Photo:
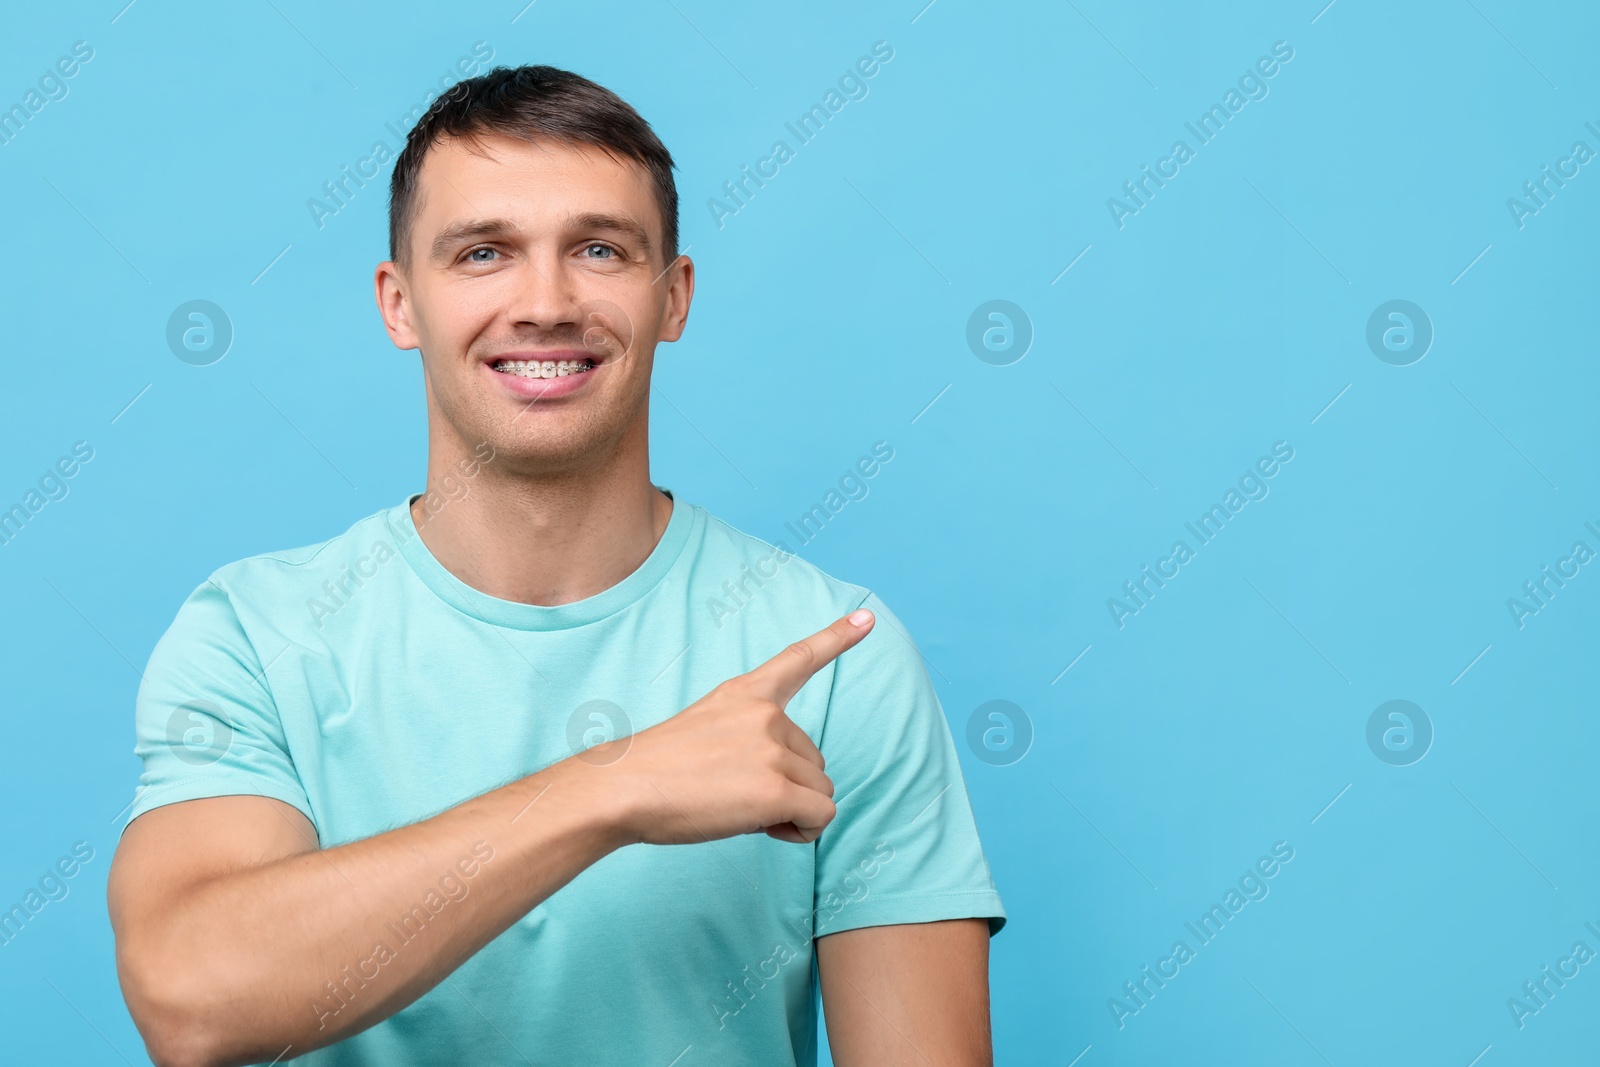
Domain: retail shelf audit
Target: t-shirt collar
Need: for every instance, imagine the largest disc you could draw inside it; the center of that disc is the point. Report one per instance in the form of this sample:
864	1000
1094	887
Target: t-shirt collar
510	613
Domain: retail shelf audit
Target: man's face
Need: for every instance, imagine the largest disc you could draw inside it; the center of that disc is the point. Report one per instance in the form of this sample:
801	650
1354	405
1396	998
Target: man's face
538	253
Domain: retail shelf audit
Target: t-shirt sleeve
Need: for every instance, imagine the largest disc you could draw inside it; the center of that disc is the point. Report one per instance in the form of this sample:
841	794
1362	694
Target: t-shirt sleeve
205	723
903	845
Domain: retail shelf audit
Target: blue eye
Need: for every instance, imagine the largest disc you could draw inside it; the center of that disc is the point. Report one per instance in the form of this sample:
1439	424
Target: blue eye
475	251
607	248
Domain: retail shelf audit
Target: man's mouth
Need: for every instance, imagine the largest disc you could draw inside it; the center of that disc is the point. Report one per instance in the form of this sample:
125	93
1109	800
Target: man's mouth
547	368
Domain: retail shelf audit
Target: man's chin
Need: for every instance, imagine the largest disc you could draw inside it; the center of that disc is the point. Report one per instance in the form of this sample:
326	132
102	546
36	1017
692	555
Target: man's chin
552	448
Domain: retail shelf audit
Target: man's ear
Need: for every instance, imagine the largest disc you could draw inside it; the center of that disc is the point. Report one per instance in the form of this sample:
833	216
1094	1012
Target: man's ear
679	280
389	288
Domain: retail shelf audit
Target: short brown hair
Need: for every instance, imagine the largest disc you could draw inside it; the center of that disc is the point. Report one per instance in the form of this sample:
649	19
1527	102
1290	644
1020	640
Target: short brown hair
531	102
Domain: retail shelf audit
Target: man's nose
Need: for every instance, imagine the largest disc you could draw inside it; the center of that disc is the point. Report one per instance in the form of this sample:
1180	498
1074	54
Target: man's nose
546	293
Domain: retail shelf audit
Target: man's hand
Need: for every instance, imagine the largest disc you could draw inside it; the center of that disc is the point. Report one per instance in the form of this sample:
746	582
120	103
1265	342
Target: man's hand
733	762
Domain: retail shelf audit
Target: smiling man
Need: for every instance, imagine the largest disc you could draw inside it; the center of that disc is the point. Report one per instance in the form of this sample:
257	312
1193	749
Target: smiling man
479	780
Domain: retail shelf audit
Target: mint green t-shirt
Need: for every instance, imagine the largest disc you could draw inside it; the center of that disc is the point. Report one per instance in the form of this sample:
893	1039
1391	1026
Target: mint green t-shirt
363	683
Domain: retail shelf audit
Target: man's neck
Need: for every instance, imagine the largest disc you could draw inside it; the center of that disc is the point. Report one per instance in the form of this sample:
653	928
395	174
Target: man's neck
543	541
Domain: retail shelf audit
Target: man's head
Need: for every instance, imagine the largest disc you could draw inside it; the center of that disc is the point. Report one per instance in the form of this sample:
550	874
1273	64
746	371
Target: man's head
533	215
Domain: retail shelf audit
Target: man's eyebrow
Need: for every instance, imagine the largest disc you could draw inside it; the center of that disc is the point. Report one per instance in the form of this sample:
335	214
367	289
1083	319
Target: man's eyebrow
470	230
623	224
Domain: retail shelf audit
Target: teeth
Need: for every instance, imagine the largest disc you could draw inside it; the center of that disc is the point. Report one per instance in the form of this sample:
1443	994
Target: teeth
534	368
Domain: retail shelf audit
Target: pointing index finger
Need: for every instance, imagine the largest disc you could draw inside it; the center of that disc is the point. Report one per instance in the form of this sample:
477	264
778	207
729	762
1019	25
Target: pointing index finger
781	677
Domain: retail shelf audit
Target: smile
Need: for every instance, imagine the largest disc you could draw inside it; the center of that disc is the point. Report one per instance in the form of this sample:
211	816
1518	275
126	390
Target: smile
533	368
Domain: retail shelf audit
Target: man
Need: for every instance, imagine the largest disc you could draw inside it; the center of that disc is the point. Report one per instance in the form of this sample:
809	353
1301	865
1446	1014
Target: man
407	793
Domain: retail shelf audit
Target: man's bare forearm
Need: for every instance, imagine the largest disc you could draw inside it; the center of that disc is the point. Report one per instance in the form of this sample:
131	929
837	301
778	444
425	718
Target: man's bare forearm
313	947
239	942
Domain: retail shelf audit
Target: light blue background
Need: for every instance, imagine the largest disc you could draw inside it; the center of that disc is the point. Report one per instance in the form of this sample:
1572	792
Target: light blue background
1223	317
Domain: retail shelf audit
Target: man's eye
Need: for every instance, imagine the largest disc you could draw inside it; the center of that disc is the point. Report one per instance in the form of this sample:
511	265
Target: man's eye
610	252
472	256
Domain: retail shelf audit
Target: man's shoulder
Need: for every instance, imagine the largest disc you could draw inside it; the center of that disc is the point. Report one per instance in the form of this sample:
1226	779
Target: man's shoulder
264	571
740	572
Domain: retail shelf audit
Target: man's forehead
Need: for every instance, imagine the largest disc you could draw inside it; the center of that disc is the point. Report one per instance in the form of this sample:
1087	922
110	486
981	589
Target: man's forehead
490	154
475	179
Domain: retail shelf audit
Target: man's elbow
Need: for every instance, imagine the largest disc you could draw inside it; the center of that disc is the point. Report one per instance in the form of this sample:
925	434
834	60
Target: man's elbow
171	1011
172	1049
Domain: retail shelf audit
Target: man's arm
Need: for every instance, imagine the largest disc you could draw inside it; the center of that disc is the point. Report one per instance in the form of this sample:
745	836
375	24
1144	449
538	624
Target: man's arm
236	935
914	994
230	921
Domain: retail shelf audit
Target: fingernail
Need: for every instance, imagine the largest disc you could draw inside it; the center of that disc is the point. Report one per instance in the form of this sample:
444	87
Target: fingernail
860	617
